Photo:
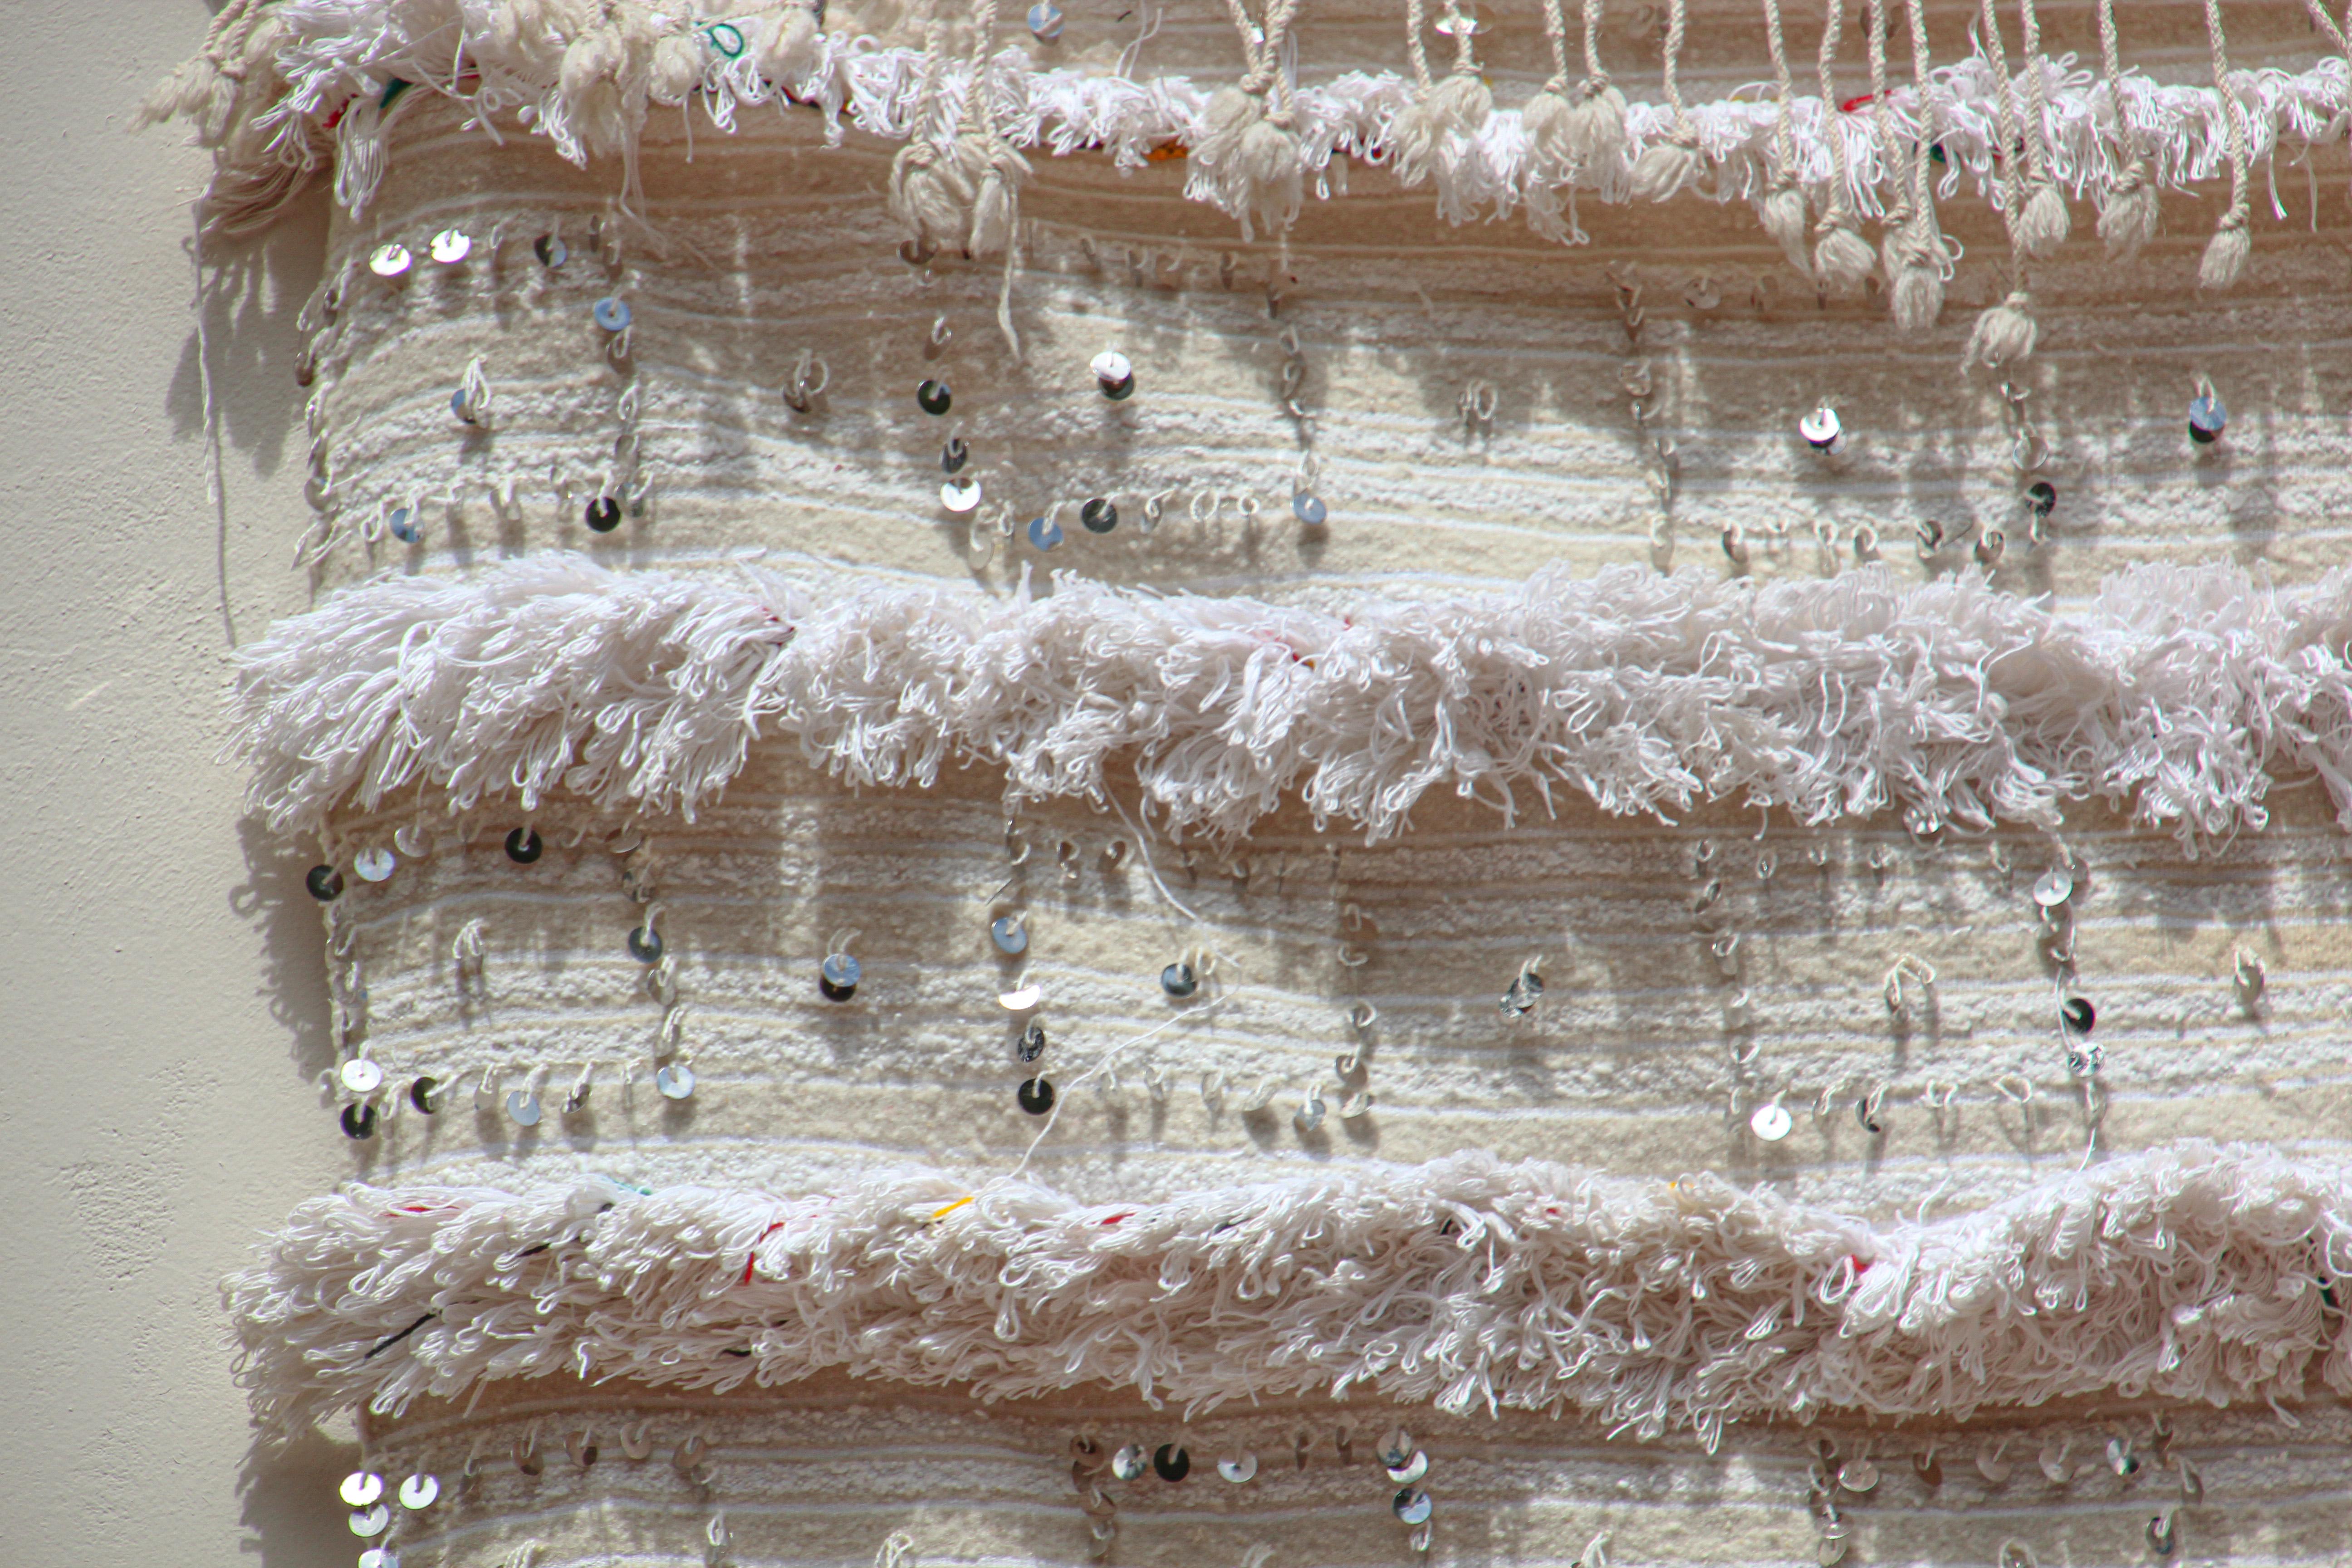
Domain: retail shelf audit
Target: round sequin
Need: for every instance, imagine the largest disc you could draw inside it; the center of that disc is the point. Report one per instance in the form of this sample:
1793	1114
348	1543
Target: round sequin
1114	374
419	1492
2078	1015
359	1121
389	260
1396	1447
1098	516
551	251
524	1107
373	865
1771	1122
523	846
612	312
379	1557
838	975
676	1081
1413	1504
1044	532
1822	430
420	1095
1021	999
1857	1475
401	521
371	1521
457	407
452	246
361	1488
1309	510
646	944
1035	1095
2043	497
1032	1044
325	883
2053	887
1045	21
1416	1466
1171	1463
1131	1462
933	397
1179	981
1238	1468
1009	935
361	1076
2207	419
959	495
603	515
954	456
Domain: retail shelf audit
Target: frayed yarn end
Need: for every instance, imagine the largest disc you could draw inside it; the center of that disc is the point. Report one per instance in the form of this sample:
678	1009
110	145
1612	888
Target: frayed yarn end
2004	335
1782	211
2128	222
1664	170
2043	227
2225	258
1842	258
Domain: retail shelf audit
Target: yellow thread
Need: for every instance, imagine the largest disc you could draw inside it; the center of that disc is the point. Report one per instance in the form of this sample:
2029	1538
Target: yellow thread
951	1208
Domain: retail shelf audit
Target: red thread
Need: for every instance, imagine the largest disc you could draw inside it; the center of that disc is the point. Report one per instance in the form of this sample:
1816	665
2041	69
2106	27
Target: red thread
749	1262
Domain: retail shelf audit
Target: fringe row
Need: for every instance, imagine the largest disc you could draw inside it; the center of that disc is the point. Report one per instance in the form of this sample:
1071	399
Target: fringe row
2183	692
311	81
2202	1273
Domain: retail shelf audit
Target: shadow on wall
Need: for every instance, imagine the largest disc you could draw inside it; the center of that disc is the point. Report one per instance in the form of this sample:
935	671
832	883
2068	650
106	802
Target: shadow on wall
235	387
292	1516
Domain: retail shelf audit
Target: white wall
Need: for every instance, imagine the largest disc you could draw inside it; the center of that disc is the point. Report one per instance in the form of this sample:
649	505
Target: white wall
160	963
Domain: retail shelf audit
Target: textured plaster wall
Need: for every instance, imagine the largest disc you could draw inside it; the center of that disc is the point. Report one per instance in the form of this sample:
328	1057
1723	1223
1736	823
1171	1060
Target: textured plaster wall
165	1010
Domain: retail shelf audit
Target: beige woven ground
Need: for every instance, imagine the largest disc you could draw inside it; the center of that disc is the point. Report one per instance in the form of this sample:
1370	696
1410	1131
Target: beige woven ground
1637	1060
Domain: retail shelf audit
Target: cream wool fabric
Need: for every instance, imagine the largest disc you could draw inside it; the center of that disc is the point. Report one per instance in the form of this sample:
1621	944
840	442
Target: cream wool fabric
1512	436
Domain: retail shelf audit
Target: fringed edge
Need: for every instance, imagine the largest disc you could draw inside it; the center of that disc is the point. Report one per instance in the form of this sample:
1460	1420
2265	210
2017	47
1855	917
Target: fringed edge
2201	1273
325	54
2183	691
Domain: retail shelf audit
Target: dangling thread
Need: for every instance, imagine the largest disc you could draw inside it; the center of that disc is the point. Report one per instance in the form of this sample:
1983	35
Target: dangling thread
2226	252
1781	208
1669	165
2004	335
1840	258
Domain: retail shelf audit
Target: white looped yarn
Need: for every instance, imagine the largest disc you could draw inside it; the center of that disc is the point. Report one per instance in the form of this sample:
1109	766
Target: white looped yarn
2185	693
2191	1273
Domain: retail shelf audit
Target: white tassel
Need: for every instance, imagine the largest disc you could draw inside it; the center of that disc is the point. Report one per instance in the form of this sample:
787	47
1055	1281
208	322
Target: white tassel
677	68
1841	258
2004	335
2128	221
1913	255
1546	118
2225	258
931	196
1458	106
1596	129
2043	227
1664	169
1782	211
1252	165
794	52
997	203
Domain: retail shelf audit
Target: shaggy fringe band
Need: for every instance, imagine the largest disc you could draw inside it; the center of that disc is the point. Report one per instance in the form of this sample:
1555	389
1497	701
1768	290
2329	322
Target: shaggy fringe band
2198	1273
313	59
2180	691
